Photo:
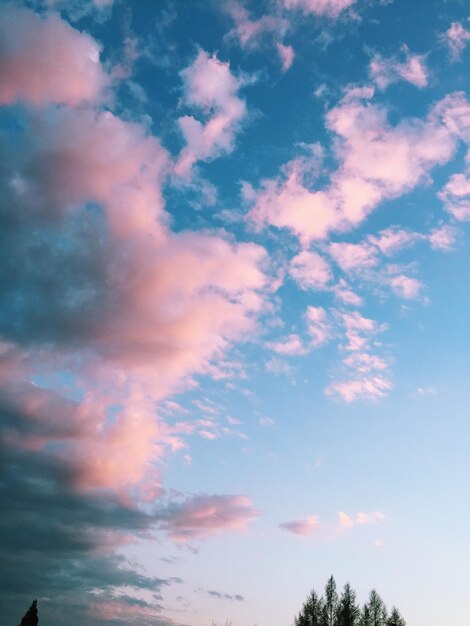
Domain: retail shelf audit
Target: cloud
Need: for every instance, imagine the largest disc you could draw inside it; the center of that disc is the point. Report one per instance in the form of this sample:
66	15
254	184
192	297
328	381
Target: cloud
344	520
250	33
443	238
385	71
29	70
364	375
457	38
366	388
406	287
225	596
377	162
211	88
290	346
200	516
393	239
353	257
303	527
361	518
456	196
327	8
318	325
287	55
346	295
62	545
310	270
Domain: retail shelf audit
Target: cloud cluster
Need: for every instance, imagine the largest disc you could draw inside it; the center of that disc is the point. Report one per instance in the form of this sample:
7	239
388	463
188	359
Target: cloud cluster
101	319
376	162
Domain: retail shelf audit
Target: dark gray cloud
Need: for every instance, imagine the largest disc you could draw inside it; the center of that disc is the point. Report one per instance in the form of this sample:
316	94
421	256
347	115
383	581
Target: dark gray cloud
225	596
59	545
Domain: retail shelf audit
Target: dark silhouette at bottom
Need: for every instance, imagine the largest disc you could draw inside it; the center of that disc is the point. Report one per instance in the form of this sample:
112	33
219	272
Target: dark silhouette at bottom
31	616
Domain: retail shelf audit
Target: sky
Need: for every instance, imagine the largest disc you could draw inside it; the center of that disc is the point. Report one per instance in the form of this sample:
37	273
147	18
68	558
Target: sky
234	301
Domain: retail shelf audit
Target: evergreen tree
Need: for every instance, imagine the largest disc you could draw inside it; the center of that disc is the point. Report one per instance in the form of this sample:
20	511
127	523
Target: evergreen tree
311	613
377	610
31	616
330	605
364	619
395	618
347	613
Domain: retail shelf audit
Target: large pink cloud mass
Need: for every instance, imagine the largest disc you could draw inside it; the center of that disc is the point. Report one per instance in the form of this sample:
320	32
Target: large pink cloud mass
45	60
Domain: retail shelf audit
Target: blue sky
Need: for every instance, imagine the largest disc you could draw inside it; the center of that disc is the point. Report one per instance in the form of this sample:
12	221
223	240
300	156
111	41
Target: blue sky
234	302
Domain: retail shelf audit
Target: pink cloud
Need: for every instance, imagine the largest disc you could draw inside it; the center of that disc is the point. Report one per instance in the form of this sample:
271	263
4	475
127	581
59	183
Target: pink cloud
457	38
302	528
370	518
29	70
376	162
385	71
406	287
456	197
443	238
286	55
364	373
202	516
128	321
366	388
346	295
318	326
250	33
353	257
391	240
327	8
310	270
344	520
290	346
210	87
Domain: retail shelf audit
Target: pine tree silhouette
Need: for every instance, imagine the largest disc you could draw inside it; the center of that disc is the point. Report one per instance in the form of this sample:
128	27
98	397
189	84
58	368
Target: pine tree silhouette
31	616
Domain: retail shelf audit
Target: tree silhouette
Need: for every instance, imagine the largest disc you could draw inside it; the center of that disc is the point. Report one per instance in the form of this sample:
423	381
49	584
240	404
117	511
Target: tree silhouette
347	613
377	610
395	618
31	616
311	613
344	611
331	603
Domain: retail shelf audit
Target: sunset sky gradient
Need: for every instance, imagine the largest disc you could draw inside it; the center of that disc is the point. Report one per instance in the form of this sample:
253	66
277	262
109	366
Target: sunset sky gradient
234	304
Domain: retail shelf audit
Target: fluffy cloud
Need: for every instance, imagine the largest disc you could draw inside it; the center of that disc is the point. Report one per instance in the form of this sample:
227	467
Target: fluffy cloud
310	270
290	346
210	87
377	162
391	240
353	257
406	287
318	325
385	71
327	8
29	70
456	196
457	38
303	527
